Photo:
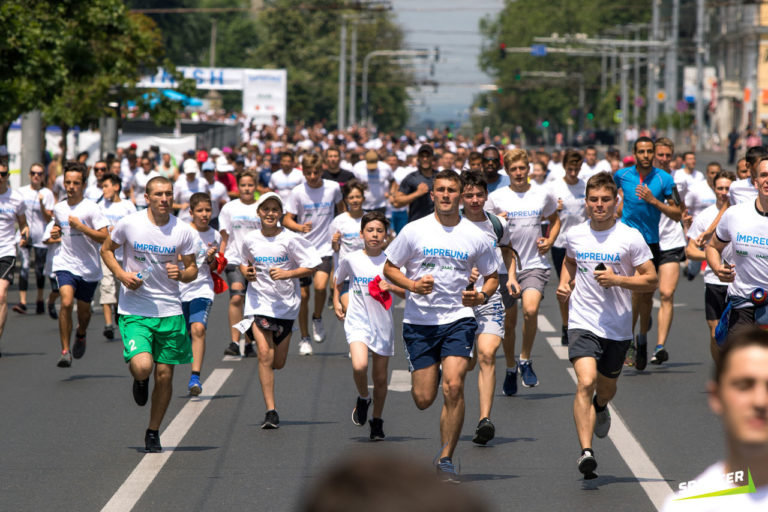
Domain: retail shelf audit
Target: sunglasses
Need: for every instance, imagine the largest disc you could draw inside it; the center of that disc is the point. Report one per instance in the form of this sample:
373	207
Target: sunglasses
36	173
4	174
97	169
493	159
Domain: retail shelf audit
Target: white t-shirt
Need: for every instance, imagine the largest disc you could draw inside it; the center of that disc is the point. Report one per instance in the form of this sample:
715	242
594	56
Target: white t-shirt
378	183
713	480
219	194
139	185
425	246
349	227
58	188
283	183
34	214
699	197
79	254
318	206
556	171
747	231
202	287
574	210
700	223
286	250
237	219
53	249
671	234
525	213
587	171
486	226
742	191
147	248
606	312
114	212
93	193
11	206
366	319
685	182
183	190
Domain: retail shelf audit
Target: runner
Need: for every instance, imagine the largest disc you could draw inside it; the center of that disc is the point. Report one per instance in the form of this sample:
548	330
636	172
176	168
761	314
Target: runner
197	296
217	190
346	229
688	176
378	176
114	209
570	193
607	260
81	225
646	192
273	260
139	183
151	321
185	186
237	219
591	166
286	178
368	322
489	316
310	210
38	210
715	292
525	208
11	213
415	188
491	167
438	253
332	170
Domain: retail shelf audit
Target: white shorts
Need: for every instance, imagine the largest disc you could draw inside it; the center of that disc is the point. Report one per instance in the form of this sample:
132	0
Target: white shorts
375	344
108	286
490	317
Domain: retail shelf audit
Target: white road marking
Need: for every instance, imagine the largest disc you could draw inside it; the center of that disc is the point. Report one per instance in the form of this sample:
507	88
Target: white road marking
657	304
400	380
560	351
145	472
228	358
544	325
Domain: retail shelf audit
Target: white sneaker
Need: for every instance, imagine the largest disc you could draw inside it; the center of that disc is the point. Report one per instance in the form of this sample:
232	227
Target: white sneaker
318	330
305	347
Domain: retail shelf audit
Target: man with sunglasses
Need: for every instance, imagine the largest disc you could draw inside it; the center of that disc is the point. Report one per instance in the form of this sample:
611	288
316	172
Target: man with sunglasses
491	162
416	187
38	208
93	191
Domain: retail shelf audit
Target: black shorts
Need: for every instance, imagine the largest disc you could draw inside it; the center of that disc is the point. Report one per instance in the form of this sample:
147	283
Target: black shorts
656	252
740	318
7	265
280	327
324	267
558	255
672	255
235	276
715	299
610	354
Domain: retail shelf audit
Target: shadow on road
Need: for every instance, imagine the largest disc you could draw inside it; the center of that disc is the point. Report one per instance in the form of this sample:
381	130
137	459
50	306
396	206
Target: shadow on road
74	378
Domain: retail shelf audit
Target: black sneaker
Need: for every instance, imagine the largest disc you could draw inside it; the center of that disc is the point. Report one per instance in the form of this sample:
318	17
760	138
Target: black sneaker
233	349
641	356
484	432
109	332
250	350
78	349
564	336
152	442
587	465
141	391
40	307
271	420
660	355
360	414
377	429
20	308
52	311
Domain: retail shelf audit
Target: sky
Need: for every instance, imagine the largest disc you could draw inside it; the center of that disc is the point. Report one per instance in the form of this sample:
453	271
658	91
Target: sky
453	25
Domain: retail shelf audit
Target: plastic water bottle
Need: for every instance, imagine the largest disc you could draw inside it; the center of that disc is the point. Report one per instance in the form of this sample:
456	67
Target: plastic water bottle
145	272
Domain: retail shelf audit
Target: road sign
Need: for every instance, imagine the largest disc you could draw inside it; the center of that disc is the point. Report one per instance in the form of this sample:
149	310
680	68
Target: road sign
618	115
539	50
661	95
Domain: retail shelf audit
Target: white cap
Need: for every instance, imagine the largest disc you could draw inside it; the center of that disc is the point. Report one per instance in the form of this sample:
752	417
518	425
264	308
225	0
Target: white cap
269	195
215	151
190	166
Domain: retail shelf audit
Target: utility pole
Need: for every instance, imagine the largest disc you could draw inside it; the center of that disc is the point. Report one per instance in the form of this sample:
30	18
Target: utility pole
652	108
603	74
700	132
636	86
31	142
623	72
353	75
670	80
342	74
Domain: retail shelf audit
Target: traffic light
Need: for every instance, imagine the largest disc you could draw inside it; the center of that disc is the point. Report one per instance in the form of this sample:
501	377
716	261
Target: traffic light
590	116
545	124
618	101
502	50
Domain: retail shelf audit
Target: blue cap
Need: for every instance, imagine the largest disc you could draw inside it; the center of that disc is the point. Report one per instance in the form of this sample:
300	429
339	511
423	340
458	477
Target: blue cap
209	166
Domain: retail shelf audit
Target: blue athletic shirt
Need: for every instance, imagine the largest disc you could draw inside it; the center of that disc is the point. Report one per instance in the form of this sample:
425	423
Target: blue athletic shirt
636	212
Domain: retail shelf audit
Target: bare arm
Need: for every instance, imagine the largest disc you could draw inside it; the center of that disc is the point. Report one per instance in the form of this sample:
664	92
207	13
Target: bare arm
97	235
694	252
189	273
129	279
567	275
645	278
714	251
224	241
422	286
289	221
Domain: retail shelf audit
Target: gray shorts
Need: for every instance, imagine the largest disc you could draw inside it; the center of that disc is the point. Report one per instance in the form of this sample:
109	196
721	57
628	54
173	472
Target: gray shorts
535	278
235	276
506	299
490	317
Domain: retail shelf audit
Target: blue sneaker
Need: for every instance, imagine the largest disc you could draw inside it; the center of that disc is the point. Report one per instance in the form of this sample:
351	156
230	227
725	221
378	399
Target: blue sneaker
527	375
510	383
446	471
194	387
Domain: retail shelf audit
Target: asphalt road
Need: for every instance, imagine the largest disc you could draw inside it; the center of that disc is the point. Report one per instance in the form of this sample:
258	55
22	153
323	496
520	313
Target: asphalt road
71	438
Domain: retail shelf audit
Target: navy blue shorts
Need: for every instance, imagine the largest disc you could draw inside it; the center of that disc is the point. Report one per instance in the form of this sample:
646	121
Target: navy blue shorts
84	290
426	345
196	311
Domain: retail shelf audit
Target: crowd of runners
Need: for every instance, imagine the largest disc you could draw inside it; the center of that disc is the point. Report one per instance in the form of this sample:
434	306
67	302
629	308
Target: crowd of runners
466	231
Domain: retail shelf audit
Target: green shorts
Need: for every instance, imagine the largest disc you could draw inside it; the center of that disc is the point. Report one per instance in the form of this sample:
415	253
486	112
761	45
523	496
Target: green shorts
165	338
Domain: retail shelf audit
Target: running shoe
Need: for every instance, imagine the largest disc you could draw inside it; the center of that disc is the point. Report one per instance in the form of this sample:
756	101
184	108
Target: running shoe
659	355
250	350
318	331
305	347
194	387
141	391
641	356
65	361
109	332
52	311
360	413
20	308
233	349
564	336
152	442
509	387
271	420
446	471
587	465
40	307
602	422
78	349
377	429
527	374
484	432
629	359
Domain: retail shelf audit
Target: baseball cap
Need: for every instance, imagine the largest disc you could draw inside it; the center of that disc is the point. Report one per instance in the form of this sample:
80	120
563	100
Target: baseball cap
133	145
215	151
265	197
426	148
209	166
202	156
239	159
190	166
371	160
629	160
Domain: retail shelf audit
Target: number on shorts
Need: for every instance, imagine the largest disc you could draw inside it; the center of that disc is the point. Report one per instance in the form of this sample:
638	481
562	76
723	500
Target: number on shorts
132	344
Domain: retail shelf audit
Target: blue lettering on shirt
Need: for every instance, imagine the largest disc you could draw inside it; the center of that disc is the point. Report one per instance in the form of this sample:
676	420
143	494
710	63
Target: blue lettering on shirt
154	249
751	239
448	253
270	259
363	280
598	256
524	213
317	206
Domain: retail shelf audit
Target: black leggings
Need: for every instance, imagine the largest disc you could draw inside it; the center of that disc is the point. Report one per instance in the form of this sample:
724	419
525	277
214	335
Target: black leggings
40	254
